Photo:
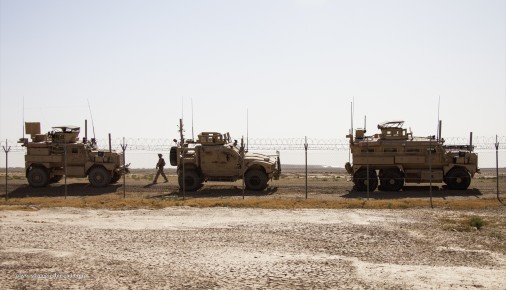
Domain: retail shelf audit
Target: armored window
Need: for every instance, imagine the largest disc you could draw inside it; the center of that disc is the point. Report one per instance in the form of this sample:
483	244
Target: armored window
74	150
412	150
367	150
390	150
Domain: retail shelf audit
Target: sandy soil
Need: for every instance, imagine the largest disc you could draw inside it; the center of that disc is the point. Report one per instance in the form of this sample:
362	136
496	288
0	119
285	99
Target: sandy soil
222	248
323	183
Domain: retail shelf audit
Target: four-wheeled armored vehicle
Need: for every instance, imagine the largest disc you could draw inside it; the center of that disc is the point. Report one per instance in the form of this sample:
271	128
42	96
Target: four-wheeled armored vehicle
394	157
214	157
59	152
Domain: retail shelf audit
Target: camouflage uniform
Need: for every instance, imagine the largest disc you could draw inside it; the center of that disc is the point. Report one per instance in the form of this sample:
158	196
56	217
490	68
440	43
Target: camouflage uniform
159	166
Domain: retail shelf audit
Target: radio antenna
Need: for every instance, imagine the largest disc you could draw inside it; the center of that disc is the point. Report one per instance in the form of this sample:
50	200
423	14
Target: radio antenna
23	117
247	129
193	137
92	123
365	124
438	120
351	129
352	112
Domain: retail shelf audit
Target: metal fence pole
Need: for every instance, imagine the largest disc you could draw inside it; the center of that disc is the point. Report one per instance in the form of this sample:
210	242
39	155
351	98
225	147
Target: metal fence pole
497	168
430	171
65	166
367	161
243	166
182	156
6	150
124	147
305	149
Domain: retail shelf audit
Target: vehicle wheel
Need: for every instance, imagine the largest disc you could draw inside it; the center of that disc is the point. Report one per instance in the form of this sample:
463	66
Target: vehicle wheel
360	180
255	179
458	178
55	178
115	177
391	180
99	176
193	181
38	177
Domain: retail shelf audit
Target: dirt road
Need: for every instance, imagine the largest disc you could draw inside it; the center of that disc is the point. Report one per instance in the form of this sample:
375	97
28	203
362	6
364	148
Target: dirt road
222	248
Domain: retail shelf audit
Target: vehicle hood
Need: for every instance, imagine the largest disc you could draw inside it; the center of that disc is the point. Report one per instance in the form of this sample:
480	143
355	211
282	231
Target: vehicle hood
259	157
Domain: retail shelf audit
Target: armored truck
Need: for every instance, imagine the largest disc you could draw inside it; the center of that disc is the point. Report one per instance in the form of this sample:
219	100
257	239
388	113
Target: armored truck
214	157
394	157
60	152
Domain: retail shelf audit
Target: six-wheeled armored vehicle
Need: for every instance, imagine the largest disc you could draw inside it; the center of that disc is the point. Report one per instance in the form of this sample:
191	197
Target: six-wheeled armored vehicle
60	152
214	157
395	157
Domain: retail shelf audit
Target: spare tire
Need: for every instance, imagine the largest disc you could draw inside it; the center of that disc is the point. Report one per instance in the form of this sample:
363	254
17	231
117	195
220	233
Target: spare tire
173	156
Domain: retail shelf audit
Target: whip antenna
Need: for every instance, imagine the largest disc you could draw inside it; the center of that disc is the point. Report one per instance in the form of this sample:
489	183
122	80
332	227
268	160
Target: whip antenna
438	120
23	117
247	129
193	137
92	123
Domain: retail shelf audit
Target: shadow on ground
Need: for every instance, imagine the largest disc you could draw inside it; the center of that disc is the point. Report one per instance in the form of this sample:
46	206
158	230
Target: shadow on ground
213	192
57	190
414	192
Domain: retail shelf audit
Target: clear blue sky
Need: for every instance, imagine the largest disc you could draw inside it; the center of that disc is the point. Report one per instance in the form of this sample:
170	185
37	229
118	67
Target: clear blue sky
295	65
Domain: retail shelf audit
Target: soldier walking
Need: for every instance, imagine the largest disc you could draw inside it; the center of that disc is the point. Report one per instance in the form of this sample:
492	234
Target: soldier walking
159	166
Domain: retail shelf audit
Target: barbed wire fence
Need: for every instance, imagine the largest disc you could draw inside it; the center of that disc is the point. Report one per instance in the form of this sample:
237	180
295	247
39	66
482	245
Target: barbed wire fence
140	184
480	143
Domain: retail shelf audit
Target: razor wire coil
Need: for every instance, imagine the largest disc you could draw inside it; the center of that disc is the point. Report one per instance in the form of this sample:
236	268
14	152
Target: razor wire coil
480	143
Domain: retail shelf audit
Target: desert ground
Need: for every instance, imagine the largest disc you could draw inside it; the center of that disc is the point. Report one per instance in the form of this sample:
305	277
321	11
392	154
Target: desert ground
198	247
323	183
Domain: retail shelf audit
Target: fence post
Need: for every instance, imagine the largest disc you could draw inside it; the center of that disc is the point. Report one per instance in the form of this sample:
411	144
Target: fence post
430	171
6	150
497	167
305	149
182	156
65	165
243	153
124	147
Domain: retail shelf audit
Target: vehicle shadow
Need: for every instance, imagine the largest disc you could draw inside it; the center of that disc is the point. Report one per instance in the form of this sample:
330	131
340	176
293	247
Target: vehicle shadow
58	190
213	192
414	192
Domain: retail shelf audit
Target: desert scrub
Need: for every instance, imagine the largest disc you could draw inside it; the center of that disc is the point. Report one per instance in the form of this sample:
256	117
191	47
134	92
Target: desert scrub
462	224
476	222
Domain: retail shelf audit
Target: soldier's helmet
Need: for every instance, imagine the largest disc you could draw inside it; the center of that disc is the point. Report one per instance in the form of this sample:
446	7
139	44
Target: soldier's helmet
159	154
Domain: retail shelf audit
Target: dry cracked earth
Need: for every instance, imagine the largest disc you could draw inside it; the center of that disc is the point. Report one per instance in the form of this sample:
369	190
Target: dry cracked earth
223	248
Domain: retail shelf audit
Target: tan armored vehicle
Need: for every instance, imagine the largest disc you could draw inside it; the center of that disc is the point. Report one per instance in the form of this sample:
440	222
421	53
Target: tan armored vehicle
47	155
213	157
395	157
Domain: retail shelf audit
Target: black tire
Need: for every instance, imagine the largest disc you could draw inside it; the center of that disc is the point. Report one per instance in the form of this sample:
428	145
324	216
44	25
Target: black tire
360	180
255	179
458	178
193	181
38	177
115	177
55	178
173	156
99	177
391	180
